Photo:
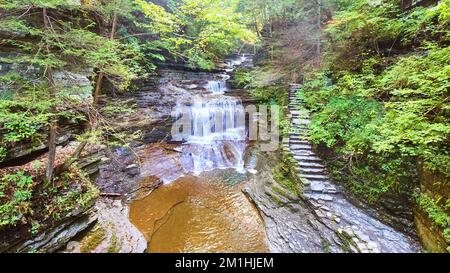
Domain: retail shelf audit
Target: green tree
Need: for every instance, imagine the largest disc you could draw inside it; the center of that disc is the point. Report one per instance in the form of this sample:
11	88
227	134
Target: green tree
199	31
52	45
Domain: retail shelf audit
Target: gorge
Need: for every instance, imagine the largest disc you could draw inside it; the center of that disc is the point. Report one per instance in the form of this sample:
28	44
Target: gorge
240	126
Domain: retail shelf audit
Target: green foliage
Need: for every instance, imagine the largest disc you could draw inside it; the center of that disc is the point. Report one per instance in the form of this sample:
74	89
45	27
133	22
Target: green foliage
269	94
15	196
261	13
22	120
436	214
433	210
263	84
21	198
3	153
361	30
244	78
379	109
337	122
198	31
416	122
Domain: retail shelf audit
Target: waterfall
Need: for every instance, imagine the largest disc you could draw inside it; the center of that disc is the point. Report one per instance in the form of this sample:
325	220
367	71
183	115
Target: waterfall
213	129
234	63
216	138
217	87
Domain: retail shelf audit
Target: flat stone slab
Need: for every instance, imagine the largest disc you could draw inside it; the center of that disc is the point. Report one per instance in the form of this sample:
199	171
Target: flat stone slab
317	186
312	177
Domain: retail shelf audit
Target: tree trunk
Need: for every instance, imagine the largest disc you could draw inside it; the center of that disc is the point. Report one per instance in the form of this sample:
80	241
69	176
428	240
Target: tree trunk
101	75
98	89
319	37
53	122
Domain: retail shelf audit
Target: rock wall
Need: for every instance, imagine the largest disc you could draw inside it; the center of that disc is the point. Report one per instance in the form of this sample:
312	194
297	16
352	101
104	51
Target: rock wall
75	85
436	186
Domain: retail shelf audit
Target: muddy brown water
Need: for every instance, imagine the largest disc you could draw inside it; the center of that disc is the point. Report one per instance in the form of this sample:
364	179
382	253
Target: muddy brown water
199	214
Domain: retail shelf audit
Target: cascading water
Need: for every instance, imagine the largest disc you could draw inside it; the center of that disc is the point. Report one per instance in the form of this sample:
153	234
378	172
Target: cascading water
200	213
216	138
217	87
234	63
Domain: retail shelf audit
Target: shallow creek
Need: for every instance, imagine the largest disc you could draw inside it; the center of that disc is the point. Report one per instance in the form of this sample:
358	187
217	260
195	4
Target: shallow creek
201	206
220	193
200	214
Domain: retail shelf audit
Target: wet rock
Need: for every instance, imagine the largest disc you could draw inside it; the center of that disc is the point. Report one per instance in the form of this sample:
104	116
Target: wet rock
58	236
317	186
105	160
132	170
117	175
73	247
160	160
75	85
192	86
117	234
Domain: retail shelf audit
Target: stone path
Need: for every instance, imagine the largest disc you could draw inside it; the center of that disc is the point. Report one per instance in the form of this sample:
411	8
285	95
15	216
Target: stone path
360	231
316	182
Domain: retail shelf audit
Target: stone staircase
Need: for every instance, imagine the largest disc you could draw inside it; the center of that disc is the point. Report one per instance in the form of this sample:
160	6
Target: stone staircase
346	226
311	170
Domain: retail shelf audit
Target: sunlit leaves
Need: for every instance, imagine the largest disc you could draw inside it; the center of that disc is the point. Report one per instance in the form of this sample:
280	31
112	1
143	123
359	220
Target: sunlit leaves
198	31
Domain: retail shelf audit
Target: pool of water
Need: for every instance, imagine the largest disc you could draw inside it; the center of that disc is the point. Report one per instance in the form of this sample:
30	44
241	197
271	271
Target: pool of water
200	214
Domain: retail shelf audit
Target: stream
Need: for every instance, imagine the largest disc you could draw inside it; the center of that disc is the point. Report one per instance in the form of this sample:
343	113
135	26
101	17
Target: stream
217	191
201	206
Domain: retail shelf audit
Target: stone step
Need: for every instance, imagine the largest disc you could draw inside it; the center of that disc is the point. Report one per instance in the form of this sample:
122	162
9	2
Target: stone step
331	190
299	112
314	177
317	186
319	196
304	153
316	171
300	132
297	121
307	158
299	141
295	107
306	164
300	116
300	127
301	147
299	135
